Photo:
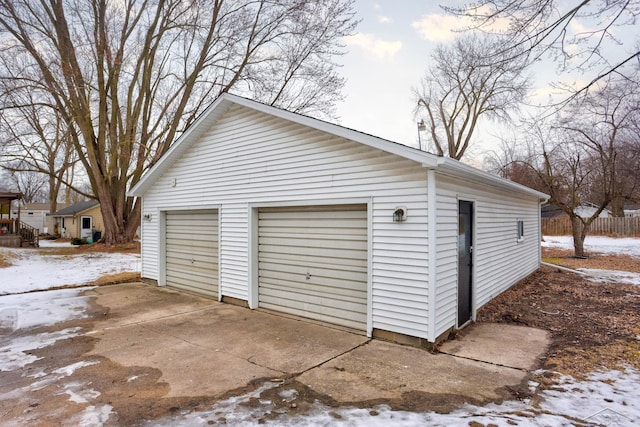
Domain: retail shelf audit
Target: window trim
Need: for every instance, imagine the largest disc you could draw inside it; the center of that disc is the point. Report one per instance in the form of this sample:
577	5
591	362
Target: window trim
520	230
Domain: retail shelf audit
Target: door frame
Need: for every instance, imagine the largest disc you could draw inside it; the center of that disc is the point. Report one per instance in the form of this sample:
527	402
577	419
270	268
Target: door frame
254	209
472	232
82	217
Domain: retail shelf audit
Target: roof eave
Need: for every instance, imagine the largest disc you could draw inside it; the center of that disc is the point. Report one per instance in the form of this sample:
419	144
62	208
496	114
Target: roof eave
445	163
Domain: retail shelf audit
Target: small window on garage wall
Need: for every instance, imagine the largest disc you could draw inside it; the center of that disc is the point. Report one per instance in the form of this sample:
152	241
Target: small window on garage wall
520	230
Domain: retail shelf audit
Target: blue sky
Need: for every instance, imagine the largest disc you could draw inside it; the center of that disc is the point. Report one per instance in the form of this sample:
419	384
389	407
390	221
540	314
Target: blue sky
385	60
389	55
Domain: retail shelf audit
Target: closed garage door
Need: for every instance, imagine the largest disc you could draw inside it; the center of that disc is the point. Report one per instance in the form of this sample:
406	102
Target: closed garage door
192	251
313	262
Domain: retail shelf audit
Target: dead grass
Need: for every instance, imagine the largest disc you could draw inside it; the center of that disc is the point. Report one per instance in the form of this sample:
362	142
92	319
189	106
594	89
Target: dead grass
112	279
597	261
593	326
4	260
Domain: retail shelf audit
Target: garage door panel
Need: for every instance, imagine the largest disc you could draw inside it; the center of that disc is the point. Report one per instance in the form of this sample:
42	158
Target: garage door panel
316	252
329	243
326	262
318	312
342	242
197	258
318	289
319	304
298	224
186	237
316	269
330	277
192	251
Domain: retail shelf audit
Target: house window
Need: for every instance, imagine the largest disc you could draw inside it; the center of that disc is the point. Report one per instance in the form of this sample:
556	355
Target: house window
520	230
86	222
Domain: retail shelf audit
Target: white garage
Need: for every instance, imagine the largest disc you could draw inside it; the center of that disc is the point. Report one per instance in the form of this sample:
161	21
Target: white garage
191	241
274	210
313	262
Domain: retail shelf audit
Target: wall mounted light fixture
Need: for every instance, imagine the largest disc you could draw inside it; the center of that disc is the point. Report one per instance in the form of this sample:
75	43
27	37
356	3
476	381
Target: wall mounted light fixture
400	214
147	217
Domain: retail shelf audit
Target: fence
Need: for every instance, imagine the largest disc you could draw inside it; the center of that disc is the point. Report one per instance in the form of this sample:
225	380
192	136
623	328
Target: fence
620	227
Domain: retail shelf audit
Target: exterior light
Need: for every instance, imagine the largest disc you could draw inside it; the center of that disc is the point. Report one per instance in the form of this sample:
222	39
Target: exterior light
400	214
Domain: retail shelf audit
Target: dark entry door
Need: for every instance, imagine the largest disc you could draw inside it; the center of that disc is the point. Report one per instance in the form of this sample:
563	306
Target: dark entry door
465	248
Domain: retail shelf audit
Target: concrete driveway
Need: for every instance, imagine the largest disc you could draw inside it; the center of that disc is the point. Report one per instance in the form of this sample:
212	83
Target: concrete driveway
146	352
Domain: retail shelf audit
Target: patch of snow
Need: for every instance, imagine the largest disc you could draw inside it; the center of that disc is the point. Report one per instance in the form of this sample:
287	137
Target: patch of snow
35	309
611	276
31	270
608	398
70	369
15	354
78	394
597	244
92	416
54	244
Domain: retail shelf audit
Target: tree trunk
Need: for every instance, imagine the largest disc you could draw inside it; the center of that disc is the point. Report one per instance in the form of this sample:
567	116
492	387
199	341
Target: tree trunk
579	232
617	206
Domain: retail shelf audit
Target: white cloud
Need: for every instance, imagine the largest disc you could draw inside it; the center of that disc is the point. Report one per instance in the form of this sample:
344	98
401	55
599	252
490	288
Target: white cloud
442	28
381	49
384	19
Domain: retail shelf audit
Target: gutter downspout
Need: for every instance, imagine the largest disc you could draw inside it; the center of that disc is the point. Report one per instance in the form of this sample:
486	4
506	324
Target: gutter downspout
431	244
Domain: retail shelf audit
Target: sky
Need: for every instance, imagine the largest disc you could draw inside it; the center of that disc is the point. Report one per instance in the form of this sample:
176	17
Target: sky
388	57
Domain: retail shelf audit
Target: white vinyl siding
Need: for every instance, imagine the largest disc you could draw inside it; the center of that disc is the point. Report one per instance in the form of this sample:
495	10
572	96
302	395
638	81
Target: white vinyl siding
192	251
313	262
248	158
499	259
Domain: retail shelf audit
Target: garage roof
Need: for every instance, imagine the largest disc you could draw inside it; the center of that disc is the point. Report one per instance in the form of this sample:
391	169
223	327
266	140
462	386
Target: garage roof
225	101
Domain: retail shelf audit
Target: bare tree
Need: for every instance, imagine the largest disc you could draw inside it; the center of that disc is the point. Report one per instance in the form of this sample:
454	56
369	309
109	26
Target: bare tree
462	86
583	36
36	143
127	77
577	157
31	185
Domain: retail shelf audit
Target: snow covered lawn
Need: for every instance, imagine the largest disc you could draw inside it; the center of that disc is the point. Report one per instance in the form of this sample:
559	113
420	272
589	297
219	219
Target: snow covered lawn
32	270
597	244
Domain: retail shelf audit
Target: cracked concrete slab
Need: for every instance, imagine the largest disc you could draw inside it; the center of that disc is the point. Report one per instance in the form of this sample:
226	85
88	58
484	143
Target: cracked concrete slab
382	370
227	346
517	347
145	351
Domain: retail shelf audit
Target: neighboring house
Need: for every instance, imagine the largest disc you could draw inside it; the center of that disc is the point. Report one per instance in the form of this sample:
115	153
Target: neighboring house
37	215
80	220
258	206
585	210
632	210
551	211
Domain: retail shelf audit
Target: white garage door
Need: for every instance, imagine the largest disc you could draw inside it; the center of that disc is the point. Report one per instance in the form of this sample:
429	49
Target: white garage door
192	251
313	262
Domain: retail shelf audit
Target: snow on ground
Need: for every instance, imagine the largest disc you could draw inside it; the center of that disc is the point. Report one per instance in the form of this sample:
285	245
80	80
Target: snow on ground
608	398
597	244
37	309
54	244
611	276
33	270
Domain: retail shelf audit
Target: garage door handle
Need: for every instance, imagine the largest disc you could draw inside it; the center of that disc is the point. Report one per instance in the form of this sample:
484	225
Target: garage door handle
308	276
193	261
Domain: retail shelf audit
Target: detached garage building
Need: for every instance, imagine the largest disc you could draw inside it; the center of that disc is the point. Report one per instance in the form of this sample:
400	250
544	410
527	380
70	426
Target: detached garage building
263	207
